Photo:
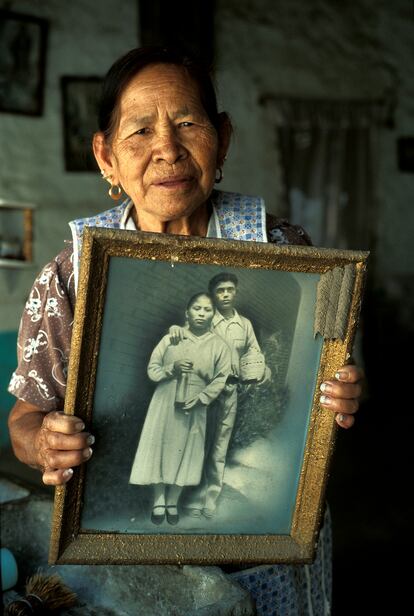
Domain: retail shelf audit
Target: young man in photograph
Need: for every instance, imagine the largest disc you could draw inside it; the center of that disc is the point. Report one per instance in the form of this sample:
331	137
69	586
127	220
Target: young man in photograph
237	331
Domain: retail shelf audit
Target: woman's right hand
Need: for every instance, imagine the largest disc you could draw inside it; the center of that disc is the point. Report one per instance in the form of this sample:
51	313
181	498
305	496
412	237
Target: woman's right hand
182	365
61	443
50	441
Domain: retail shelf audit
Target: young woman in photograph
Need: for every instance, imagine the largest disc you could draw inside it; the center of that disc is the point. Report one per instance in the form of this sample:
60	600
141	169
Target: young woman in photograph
189	376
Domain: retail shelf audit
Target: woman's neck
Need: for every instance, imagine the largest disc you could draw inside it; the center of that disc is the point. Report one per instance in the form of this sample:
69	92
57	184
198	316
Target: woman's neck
199	333
195	224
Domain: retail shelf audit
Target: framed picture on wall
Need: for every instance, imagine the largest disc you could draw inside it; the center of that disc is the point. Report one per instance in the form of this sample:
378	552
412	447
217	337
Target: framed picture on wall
80	97
196	363
23	42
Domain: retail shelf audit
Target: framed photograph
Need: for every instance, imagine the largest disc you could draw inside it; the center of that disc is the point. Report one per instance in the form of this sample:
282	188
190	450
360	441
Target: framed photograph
196	363
23	40
80	96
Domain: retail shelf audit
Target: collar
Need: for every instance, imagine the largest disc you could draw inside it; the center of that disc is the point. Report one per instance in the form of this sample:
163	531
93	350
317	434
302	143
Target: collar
127	221
190	336
218	318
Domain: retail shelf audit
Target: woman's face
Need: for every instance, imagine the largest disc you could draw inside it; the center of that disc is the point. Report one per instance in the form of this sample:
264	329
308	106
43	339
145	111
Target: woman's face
165	150
200	314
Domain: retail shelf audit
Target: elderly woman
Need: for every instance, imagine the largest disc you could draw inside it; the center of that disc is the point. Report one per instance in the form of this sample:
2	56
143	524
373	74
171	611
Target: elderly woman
163	143
190	375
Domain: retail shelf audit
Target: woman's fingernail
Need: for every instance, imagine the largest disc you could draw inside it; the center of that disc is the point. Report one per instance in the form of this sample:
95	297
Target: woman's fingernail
341	417
67	473
87	453
325	400
80	425
341	376
90	440
326	388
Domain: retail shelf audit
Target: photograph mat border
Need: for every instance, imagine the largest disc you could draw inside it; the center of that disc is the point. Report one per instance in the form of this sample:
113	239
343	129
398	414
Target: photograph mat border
72	545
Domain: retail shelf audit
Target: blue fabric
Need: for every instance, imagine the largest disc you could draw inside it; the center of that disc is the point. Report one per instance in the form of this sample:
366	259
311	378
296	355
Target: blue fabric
240	217
110	219
293	590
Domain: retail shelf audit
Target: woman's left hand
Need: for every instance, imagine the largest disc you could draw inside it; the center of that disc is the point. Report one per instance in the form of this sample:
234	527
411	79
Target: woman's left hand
341	395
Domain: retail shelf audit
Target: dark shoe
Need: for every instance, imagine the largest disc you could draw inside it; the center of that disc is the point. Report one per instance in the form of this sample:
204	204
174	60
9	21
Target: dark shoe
157	518
172	518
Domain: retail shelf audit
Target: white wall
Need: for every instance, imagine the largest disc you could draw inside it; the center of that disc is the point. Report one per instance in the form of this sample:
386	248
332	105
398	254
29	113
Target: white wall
319	48
85	37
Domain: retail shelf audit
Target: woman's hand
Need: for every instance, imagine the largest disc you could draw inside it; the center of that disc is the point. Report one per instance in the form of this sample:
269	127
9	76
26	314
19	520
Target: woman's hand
182	366
61	443
342	394
51	442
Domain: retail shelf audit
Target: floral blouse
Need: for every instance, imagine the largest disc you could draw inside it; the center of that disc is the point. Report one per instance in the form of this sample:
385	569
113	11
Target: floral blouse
46	327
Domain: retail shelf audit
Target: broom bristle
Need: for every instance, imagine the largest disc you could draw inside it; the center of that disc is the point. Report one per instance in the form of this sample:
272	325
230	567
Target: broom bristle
51	590
15	609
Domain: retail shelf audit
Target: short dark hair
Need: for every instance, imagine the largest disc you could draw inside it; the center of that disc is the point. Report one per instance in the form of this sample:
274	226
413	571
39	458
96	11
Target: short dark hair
129	65
195	297
223	277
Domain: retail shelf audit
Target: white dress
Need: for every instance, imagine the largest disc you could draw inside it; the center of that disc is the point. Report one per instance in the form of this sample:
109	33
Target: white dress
172	442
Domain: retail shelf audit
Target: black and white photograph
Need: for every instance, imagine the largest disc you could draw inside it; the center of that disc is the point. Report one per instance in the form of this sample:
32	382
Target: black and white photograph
23	41
201	427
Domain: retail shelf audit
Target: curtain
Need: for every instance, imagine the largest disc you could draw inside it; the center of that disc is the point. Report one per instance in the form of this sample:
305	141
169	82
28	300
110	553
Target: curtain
328	156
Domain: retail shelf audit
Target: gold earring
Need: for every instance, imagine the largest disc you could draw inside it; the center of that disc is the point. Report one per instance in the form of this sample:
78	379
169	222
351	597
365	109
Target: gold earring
115	192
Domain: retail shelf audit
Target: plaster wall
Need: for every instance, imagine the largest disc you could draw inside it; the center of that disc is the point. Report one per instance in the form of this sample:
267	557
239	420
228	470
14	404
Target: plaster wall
84	39
319	49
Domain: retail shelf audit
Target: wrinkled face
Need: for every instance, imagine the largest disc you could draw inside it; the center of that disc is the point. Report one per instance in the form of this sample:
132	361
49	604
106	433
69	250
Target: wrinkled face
165	150
200	314
224	295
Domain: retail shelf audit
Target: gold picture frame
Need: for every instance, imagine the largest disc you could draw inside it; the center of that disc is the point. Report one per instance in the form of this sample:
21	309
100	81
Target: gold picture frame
132	287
